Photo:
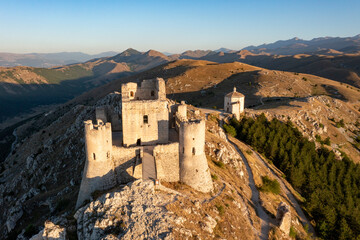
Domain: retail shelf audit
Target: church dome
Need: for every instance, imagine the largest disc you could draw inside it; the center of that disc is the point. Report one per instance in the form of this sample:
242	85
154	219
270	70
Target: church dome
234	94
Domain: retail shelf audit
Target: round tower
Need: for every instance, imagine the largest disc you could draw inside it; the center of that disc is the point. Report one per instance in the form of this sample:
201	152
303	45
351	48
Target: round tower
182	110
99	169
194	170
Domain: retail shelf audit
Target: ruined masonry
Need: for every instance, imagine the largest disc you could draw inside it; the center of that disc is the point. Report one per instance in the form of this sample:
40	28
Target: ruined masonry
152	138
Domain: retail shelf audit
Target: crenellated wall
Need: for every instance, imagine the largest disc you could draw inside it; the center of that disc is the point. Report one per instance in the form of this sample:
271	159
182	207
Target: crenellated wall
152	89
145	113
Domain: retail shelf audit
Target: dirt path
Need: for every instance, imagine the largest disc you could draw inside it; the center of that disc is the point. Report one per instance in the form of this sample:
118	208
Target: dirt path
255	197
288	193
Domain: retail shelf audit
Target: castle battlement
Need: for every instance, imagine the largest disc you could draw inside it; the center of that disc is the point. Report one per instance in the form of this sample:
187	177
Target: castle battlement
99	126
143	147
153	89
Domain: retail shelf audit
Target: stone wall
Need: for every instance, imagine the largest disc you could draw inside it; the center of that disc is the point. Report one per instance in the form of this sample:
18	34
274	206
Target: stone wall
153	130
124	160
194	170
167	162
234	105
99	169
152	89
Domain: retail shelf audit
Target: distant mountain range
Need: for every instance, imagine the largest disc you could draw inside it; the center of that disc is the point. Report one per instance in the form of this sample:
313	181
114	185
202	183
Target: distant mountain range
325	45
297	45
23	88
48	59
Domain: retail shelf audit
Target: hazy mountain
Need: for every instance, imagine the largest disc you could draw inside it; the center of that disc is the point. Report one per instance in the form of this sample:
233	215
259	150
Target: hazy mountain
195	54
47	59
297	45
22	88
225	50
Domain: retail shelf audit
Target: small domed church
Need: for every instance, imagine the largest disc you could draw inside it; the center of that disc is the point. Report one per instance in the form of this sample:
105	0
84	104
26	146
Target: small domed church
234	103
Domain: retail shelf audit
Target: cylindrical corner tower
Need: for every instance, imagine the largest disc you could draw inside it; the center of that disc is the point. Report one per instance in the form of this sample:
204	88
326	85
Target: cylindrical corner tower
99	168
194	170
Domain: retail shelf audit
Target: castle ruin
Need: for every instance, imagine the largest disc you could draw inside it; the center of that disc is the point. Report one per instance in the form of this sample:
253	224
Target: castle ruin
152	138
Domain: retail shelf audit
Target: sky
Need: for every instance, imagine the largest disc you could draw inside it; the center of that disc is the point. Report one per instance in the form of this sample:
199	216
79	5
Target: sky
169	26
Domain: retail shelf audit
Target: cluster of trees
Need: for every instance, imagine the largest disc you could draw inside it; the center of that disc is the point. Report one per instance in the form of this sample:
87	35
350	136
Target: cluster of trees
330	186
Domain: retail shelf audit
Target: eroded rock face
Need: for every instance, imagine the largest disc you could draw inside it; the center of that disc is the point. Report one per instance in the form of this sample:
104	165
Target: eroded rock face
283	216
135	212
51	232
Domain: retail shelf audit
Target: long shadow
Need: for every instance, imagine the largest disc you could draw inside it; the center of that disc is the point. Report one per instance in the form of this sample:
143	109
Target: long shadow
213	95
274	102
337	68
24	97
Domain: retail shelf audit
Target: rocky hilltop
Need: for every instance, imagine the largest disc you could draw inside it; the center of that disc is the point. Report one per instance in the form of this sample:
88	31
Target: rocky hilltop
41	196
40	178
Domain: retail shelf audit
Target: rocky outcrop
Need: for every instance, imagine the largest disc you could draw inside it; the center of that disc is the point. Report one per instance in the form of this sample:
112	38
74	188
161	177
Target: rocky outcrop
51	232
283	216
135	212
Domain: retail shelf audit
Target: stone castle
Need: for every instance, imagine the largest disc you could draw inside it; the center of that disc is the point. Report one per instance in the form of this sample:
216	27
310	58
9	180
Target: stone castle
152	138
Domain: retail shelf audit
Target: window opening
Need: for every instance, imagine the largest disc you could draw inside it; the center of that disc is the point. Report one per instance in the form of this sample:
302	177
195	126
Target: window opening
146	119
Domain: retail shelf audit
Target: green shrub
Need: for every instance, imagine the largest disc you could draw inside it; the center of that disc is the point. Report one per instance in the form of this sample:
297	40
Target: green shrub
327	141
221	209
230	130
292	232
269	185
219	164
214	177
249	152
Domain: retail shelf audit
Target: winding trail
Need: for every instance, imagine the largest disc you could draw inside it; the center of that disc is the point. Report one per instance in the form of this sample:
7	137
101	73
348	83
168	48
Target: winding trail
283	186
288	193
255	196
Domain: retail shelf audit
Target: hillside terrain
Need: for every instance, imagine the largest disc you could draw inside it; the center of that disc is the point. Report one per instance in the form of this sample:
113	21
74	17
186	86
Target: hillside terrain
339	67
24	88
315	104
41	176
47	186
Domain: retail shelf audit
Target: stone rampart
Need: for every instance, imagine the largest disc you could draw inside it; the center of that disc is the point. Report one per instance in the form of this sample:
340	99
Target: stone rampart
167	162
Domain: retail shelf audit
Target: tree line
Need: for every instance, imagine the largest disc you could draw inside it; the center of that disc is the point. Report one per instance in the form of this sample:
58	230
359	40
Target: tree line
330	186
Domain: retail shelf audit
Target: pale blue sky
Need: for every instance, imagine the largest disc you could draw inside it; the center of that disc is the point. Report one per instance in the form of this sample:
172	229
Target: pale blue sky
173	26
